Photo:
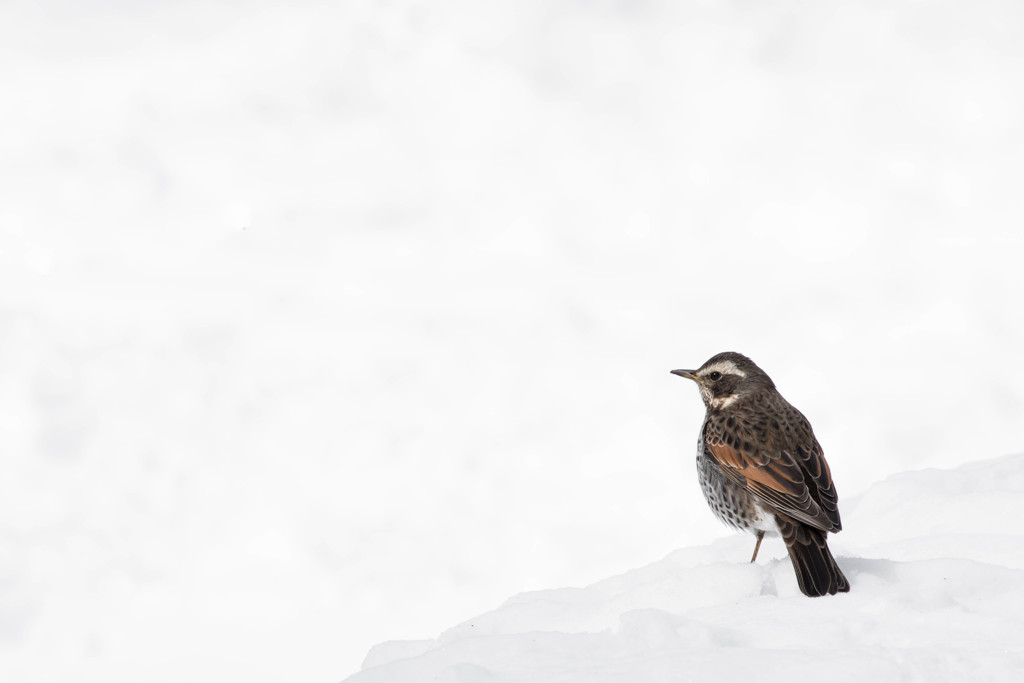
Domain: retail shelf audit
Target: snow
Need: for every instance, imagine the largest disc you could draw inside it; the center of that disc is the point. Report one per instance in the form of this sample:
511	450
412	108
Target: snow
936	562
329	323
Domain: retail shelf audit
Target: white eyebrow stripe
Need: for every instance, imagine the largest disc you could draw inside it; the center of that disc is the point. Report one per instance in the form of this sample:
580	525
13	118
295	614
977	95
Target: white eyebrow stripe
726	367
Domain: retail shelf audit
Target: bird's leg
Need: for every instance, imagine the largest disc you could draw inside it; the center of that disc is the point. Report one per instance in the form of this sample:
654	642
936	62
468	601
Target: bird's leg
760	535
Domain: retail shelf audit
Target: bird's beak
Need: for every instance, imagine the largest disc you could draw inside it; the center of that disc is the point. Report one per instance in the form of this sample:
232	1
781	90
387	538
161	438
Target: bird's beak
688	374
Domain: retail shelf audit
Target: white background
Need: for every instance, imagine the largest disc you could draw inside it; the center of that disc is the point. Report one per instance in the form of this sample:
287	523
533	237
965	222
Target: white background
323	324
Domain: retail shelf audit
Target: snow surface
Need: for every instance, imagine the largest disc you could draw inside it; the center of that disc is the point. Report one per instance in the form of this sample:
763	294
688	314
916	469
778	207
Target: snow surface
329	322
936	562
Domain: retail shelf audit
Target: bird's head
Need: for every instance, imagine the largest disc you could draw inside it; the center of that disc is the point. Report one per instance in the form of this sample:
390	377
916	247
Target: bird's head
727	378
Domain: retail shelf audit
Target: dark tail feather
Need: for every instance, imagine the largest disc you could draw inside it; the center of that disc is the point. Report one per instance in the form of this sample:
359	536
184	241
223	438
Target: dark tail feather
816	569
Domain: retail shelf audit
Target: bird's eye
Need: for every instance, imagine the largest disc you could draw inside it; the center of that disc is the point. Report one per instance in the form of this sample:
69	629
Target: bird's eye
715	376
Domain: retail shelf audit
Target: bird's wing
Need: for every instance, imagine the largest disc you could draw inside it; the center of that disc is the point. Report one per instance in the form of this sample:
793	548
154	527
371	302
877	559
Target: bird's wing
812	460
787	482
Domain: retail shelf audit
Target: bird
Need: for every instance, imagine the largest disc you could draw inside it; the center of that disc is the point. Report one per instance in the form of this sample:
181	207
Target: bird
762	470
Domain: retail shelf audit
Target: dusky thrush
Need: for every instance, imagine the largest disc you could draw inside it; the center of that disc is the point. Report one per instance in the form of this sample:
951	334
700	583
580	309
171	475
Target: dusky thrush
762	470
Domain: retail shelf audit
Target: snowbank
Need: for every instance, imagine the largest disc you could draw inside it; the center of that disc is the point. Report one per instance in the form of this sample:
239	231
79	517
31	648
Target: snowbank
936	559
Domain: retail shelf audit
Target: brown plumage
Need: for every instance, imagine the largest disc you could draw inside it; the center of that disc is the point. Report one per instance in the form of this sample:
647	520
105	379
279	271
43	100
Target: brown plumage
762	470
